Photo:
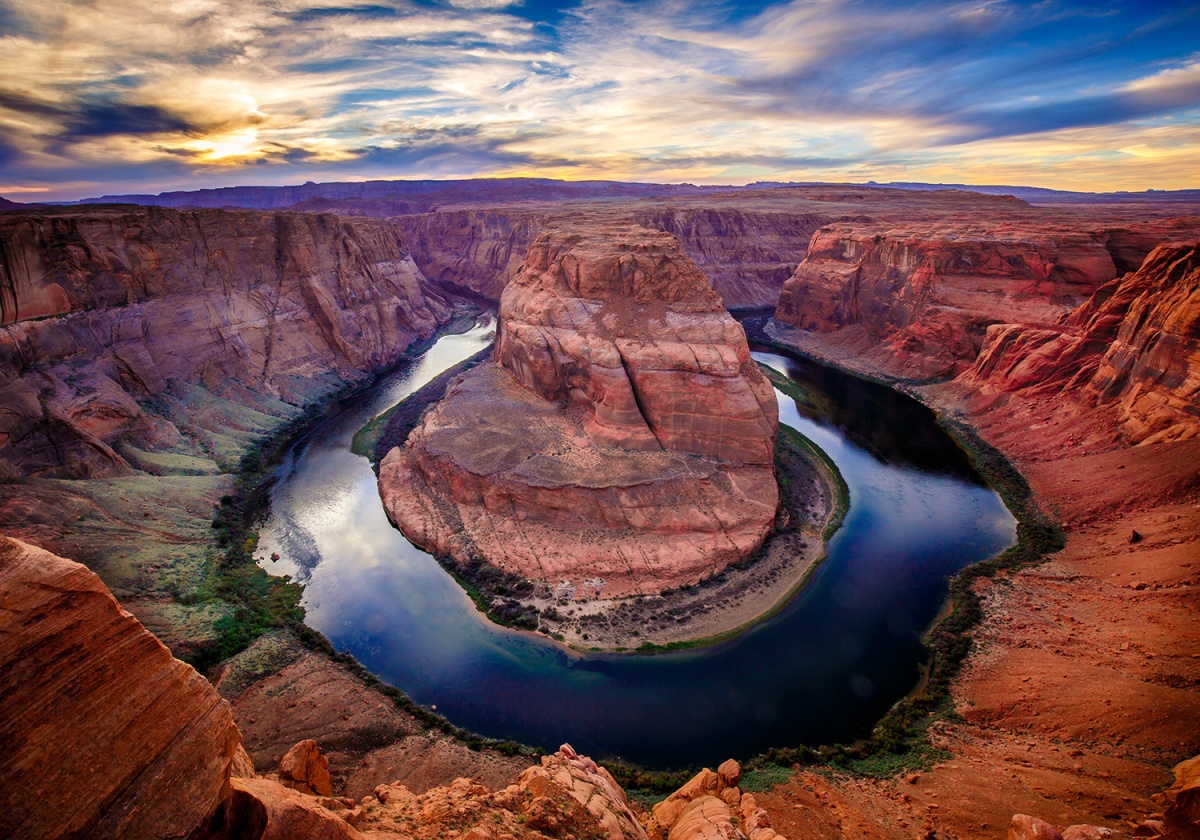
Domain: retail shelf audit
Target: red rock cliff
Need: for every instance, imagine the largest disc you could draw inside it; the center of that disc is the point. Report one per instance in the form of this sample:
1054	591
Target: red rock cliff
623	443
109	308
929	290
1136	341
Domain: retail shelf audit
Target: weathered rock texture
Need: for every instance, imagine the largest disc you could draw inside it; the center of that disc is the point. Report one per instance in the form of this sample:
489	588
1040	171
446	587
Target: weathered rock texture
622	443
711	807
104	733
746	252
1135	342
929	290
480	250
114	313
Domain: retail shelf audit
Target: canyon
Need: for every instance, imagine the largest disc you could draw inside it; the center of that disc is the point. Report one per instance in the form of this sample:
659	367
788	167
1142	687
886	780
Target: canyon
146	351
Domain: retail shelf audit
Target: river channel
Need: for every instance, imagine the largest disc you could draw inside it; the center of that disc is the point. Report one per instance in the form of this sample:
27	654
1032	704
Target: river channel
821	670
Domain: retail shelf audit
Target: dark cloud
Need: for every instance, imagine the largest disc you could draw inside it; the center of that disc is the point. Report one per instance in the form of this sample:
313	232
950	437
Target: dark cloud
107	119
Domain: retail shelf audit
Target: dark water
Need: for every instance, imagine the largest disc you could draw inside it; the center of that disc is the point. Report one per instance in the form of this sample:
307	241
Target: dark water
822	670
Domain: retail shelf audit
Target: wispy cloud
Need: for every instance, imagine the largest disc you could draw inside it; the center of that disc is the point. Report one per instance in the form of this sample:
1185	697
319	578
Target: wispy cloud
96	92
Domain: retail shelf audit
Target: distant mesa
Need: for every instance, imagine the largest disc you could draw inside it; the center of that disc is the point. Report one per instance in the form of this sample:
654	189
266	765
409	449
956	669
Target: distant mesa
622	439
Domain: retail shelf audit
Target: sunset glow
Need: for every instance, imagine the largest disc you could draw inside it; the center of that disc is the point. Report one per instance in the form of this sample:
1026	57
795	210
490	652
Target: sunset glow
135	95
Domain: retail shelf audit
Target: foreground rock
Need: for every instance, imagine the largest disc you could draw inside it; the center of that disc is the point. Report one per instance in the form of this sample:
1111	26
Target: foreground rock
623	440
102	729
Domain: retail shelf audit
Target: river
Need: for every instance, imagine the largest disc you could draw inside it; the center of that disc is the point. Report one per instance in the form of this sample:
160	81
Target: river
822	670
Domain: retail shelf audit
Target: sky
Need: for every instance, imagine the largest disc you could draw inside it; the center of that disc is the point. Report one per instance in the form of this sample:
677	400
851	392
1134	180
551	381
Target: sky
121	96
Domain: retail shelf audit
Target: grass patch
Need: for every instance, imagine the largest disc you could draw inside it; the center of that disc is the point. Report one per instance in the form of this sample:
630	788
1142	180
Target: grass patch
764	777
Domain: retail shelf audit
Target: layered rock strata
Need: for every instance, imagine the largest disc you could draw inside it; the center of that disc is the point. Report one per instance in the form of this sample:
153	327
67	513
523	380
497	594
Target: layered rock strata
621	443
1135	342
112	313
102	728
924	293
745	252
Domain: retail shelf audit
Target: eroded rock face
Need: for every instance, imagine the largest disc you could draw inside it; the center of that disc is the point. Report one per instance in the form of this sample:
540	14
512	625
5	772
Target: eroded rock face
104	733
622	442
929	290
1134	342
111	309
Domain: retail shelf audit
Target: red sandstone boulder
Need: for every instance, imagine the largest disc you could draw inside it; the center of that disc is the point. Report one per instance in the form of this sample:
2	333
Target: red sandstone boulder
306	769
1025	827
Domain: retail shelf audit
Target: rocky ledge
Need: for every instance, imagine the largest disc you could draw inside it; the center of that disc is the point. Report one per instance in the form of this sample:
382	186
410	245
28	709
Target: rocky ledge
620	443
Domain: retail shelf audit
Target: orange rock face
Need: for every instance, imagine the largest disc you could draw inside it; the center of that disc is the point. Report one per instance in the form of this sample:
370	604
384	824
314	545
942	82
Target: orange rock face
1135	342
623	443
105	734
261	308
930	289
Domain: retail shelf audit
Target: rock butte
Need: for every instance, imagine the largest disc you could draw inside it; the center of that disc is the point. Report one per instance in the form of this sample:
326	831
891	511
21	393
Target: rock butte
621	443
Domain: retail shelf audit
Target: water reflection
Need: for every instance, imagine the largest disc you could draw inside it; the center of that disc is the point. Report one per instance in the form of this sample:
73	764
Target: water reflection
822	670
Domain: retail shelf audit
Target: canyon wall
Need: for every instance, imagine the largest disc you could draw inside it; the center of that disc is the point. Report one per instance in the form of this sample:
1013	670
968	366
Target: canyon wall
111	316
480	250
1135	342
621	443
745	252
929	290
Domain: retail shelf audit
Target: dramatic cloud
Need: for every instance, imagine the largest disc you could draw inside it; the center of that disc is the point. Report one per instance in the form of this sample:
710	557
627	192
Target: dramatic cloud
116	95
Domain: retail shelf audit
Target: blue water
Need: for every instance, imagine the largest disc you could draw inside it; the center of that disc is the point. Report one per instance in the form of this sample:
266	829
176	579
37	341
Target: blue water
820	671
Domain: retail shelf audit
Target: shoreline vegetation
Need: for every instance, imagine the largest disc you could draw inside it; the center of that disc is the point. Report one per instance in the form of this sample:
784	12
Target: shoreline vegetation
813	502
898	743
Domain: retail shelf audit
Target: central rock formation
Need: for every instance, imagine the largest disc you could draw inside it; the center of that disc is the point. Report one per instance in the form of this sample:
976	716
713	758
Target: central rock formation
622	442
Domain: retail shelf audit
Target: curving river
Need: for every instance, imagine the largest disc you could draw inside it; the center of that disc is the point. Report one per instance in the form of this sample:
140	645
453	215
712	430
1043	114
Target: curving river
822	670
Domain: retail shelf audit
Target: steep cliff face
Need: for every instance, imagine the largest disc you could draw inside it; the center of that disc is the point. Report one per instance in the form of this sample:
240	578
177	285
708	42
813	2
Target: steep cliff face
480	250
622	442
105	735
745	254
1135	342
111	311
929	290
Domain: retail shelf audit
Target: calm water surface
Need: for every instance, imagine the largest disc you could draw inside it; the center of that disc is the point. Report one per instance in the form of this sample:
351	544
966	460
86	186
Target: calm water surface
822	670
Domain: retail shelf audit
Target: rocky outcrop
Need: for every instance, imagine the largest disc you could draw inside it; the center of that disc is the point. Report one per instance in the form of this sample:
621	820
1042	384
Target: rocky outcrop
745	253
104	733
110	312
623	440
304	768
711	807
929	290
480	250
1134	342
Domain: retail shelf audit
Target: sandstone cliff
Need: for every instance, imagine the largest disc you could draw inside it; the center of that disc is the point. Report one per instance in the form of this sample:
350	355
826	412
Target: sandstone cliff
113	314
929	290
105	735
480	250
1135	342
623	440
745	253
